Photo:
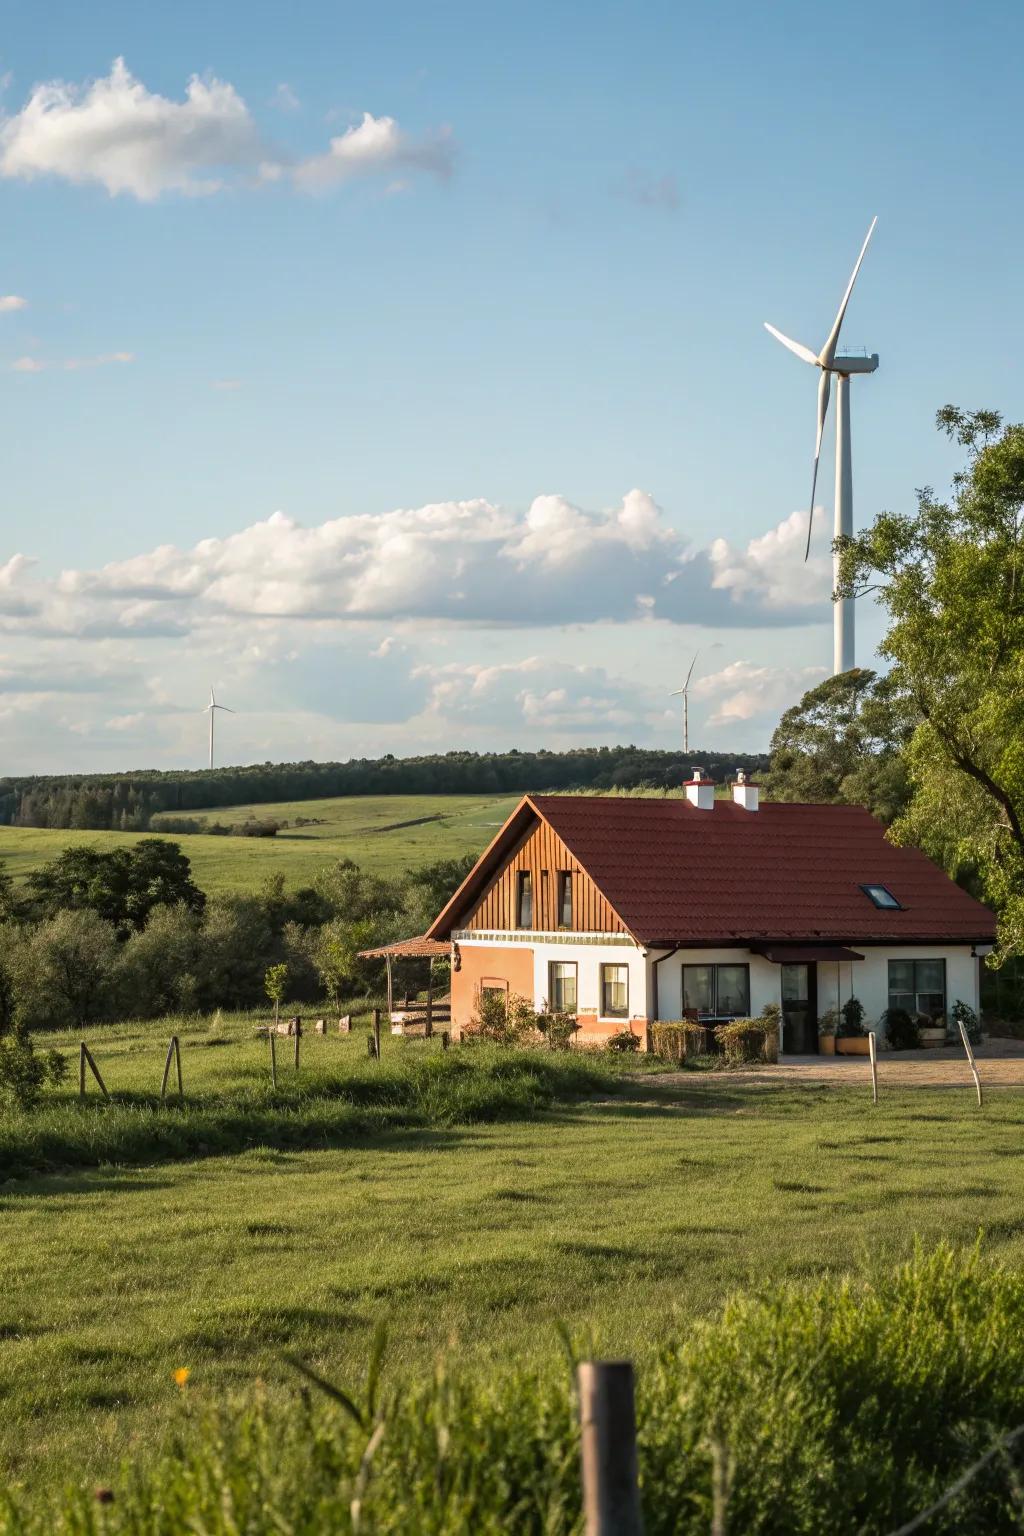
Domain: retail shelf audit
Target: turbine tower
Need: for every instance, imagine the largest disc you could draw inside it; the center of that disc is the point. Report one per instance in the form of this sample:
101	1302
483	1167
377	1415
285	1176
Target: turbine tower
831	361
211	710
684	691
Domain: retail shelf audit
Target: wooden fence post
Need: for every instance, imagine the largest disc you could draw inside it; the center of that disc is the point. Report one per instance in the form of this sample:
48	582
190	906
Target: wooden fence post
371	1046
273	1057
86	1057
873	1053
298	1037
428	1028
611	1495
376	1033
446	1039
970	1059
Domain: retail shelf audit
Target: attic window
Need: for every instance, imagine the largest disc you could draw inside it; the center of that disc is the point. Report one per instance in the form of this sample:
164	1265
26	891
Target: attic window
882	897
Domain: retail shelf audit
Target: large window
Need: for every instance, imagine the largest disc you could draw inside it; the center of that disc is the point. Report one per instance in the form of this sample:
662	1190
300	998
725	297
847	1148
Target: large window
615	991
717	991
564	899
524	899
918	986
562	986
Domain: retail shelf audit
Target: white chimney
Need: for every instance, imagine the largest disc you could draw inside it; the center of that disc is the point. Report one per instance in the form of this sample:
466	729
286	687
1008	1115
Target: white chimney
744	793
700	791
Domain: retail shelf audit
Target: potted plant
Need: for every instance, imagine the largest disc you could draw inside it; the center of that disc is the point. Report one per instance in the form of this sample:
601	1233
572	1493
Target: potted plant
931	1031
850	1037
901	1031
827	1026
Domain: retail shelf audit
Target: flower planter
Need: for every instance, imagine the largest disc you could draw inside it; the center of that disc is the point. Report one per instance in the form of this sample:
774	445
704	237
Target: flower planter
826	1045
933	1037
852	1045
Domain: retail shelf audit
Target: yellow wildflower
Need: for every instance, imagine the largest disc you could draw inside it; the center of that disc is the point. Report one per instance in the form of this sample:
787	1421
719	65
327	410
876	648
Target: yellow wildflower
182	1374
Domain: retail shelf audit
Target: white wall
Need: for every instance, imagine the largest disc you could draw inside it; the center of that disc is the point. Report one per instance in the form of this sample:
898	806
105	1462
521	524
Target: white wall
588	959
867	979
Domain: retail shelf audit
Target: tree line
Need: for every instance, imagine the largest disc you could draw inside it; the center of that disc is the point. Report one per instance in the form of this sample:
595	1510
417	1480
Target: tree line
127	802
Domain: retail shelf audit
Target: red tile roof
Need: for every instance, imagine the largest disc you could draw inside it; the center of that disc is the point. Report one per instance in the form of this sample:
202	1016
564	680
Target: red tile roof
676	874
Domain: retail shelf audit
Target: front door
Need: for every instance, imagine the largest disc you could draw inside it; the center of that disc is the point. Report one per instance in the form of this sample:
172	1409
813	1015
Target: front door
800	1010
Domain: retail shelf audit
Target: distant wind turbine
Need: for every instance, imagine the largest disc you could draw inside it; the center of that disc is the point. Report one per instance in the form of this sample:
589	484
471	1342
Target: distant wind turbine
211	710
830	361
684	692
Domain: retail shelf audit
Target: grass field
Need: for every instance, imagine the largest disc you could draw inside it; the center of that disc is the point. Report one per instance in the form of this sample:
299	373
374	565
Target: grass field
624	1215
389	834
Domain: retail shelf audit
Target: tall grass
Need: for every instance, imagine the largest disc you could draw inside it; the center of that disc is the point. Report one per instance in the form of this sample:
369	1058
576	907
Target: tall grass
838	1408
316	1108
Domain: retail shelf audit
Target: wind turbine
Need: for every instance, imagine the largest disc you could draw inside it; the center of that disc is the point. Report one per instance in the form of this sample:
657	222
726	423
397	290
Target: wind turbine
684	691
831	361
211	710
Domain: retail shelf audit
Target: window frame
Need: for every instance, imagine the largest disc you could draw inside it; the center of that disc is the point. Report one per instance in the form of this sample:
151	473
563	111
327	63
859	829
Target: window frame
713	966
613	1013
572	965
524	888
892	905
564	891
917	992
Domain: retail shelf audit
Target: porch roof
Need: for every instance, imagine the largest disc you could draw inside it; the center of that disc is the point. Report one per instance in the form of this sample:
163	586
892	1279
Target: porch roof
805	954
418	948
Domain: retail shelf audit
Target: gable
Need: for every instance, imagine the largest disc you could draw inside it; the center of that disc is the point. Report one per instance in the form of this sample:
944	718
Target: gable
543	853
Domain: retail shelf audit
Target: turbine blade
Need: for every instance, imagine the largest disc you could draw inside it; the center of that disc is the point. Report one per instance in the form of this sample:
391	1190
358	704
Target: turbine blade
794	346
824	391
828	352
689	674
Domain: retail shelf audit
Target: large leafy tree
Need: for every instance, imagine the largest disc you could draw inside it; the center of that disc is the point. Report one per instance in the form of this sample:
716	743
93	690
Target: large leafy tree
122	886
951	577
844	743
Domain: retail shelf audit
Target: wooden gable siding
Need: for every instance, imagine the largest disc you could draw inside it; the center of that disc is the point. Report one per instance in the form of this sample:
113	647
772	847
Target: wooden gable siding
545	856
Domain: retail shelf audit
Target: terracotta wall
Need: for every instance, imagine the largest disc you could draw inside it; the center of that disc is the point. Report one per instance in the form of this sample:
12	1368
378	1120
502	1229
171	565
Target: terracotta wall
510	964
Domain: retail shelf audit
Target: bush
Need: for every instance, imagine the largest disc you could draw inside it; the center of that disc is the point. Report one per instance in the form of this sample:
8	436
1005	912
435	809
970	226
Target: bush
625	1040
746	1040
557	1028
851	1019
961	1014
678	1039
901	1031
504	1018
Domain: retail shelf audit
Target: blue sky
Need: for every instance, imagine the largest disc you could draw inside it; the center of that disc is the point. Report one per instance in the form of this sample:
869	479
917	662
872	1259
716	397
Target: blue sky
531	285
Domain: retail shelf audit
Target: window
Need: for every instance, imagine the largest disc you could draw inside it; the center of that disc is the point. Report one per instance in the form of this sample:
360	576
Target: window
524	899
615	991
882	897
562	986
719	991
564	899
918	986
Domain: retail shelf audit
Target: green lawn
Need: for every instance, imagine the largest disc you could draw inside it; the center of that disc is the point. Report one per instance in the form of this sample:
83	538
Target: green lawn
389	834
623	1216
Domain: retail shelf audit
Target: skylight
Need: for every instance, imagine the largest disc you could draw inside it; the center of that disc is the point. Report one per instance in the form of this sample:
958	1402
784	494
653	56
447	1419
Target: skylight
882	897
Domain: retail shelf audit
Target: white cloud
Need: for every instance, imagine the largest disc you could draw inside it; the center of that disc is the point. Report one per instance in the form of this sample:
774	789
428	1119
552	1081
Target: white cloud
71	364
285	99
539	695
744	691
116	133
771	570
376	143
9	302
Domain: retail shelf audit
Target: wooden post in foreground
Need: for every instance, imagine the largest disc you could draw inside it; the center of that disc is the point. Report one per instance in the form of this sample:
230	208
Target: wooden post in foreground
376	1033
85	1056
446	1039
970	1059
298	1037
428	1027
611	1495
273	1056
873	1053
173	1054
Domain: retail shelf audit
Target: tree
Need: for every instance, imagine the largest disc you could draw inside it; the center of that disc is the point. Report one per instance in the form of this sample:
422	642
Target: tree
951	578
275	983
122	885
23	1073
158	967
844	743
437	882
64	971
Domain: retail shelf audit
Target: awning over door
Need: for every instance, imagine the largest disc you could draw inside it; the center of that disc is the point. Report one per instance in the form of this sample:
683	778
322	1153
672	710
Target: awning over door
805	954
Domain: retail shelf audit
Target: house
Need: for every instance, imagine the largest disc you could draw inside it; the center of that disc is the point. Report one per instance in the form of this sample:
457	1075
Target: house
624	911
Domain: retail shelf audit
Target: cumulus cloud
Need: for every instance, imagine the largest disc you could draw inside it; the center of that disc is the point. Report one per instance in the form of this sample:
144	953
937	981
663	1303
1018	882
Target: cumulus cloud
461	562
9	302
744	691
771	570
70	364
115	133
539	695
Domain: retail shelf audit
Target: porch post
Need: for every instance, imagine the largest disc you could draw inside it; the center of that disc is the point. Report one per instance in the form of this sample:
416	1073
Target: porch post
391	1000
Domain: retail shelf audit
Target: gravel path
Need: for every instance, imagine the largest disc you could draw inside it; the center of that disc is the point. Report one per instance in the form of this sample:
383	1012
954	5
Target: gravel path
1000	1065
